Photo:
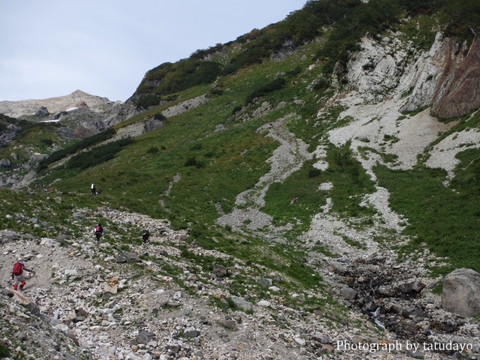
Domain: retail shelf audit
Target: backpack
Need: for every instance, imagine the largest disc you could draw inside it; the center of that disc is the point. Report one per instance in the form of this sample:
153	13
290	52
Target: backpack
98	229
17	268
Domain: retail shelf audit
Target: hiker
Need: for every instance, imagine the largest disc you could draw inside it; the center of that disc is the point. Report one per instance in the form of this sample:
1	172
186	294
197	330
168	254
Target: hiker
17	274
145	236
93	189
98	232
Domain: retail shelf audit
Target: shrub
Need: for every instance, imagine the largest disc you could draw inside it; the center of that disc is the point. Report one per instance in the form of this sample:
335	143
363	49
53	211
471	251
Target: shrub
4	350
48	142
97	155
217	92
273	85
153	150
236	109
73	148
197	146
147	100
170	78
321	84
314	173
192	161
160	117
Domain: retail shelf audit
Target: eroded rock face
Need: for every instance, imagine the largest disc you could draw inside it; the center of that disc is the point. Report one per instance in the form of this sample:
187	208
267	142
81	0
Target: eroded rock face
446	77
459	89
461	292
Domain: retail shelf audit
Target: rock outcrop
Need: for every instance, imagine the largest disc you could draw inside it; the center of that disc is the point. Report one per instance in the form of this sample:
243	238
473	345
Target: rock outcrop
458	90
442	77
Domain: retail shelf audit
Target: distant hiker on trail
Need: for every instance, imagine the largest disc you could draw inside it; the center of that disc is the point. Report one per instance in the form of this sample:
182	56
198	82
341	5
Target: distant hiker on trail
145	236
17	275
98	232
93	189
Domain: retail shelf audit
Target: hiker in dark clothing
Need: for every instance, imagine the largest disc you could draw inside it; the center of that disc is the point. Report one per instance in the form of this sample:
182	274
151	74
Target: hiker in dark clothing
93	189
98	232
17	275
145	236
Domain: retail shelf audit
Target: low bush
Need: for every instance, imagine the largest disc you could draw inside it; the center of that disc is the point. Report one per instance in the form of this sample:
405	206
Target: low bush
192	161
160	117
269	87
147	100
73	148
153	150
97	155
4	351
314	173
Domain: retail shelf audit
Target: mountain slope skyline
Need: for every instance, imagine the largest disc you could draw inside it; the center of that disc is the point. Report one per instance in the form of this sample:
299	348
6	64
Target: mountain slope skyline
106	48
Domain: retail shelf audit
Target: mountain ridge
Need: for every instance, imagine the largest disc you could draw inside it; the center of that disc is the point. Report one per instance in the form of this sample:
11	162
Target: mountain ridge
54	105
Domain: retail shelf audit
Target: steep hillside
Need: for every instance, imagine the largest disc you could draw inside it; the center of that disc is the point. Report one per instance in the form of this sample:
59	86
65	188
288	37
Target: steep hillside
319	180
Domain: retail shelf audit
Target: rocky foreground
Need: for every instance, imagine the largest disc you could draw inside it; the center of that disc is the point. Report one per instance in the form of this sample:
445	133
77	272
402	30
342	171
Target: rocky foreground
151	301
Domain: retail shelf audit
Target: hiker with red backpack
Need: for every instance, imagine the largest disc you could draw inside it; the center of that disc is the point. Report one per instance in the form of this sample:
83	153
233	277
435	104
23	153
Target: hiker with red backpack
17	275
98	232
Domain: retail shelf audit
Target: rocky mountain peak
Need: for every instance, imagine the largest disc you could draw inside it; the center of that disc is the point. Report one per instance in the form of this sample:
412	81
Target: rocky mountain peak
78	98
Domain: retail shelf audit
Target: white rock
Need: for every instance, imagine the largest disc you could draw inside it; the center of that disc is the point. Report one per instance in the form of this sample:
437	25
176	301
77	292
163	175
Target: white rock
264	303
71	272
325	186
47	242
299	341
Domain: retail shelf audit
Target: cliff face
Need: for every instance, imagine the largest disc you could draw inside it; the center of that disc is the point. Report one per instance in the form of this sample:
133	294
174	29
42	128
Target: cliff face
446	77
458	91
396	91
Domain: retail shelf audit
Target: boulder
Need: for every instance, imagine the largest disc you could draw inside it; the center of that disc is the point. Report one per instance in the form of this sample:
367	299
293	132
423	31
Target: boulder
80	315
265	282
37	157
144	337
220	271
71	273
153	124
264	303
227	324
411	288
42	111
241	303
5	163
112	285
8	236
348	293
131	256
461	292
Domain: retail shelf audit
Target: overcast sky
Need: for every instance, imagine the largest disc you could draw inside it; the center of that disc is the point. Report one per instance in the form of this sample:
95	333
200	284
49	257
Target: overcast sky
51	48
